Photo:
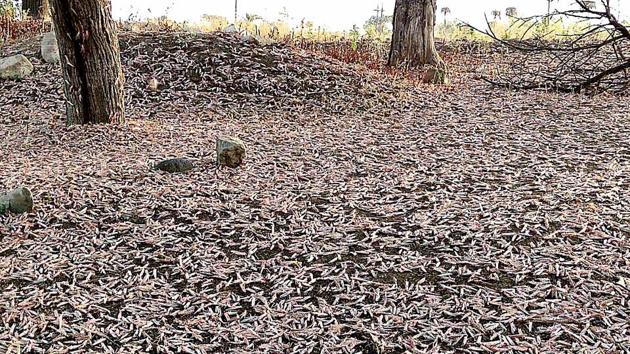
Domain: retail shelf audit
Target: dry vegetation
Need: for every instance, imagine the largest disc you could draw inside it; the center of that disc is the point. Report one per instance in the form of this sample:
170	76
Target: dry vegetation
373	214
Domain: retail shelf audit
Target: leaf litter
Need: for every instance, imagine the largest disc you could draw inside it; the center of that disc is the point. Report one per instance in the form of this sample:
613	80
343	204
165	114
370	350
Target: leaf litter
371	215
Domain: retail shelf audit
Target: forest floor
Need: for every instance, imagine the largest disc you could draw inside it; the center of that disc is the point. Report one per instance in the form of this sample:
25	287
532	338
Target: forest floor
372	215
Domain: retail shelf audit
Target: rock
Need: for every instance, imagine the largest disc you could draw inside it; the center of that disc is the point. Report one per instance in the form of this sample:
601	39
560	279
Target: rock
230	151
16	67
17	201
49	48
153	84
250	39
231	29
436	76
175	166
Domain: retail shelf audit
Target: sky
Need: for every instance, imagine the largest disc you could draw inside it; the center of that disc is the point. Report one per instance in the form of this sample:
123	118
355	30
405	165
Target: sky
335	15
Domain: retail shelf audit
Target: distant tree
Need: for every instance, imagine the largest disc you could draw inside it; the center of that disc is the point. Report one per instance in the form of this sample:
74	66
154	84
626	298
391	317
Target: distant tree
445	11
252	17
284	14
413	39
8	10
213	18
591	59
354	32
378	25
35	8
511	12
215	22
92	72
549	6
310	27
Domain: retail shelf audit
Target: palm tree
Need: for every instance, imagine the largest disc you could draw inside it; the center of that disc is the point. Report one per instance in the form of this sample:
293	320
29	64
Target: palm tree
549	7
511	12
445	11
252	17
590	4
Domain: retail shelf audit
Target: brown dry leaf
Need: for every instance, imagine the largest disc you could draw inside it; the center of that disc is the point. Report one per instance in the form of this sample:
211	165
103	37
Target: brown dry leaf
369	212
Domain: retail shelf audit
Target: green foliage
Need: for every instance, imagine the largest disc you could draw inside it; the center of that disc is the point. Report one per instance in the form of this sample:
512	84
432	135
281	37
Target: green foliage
252	17
211	23
9	9
452	30
513	29
354	33
378	27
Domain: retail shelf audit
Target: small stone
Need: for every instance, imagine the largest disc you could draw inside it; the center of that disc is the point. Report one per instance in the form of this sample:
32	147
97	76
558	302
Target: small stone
17	201
231	29
175	166
230	151
436	76
49	48
15	67
246	37
153	84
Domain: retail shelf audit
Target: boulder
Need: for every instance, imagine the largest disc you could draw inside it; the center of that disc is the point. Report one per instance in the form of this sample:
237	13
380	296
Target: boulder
49	48
17	201
230	151
16	67
175	166
436	76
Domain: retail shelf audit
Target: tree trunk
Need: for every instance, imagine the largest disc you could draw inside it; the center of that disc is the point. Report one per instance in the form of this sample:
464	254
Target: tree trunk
90	61
413	42
45	10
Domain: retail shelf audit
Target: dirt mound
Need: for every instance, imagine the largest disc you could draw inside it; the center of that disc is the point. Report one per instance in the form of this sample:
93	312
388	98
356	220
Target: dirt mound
223	72
228	64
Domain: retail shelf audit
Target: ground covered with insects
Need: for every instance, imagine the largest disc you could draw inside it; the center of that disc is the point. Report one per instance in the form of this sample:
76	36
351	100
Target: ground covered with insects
372	215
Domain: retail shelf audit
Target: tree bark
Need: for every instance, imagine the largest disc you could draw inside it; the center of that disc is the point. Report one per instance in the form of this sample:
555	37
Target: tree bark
413	41
90	61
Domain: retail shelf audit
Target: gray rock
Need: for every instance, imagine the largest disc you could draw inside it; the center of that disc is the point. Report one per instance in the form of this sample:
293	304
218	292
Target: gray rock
231	29
246	37
230	151
49	48
175	166
16	67
243	34
17	201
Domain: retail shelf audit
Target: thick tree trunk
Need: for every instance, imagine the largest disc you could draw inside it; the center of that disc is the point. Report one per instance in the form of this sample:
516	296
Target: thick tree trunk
413	42
90	61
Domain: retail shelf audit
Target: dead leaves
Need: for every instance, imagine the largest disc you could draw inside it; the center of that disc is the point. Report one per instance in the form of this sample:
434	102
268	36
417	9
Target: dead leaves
472	220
